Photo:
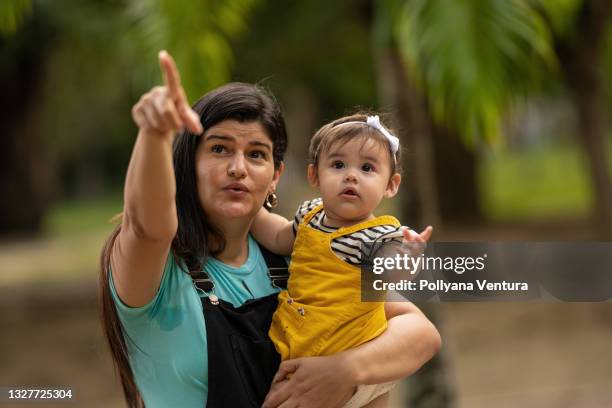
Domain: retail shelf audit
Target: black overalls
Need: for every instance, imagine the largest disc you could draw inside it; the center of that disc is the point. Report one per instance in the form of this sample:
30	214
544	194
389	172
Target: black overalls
241	358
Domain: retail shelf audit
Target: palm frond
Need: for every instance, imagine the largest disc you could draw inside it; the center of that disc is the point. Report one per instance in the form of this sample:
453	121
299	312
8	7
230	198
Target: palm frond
197	34
561	14
473	59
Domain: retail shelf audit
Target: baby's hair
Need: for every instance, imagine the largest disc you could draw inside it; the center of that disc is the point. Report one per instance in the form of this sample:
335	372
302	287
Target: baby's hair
331	134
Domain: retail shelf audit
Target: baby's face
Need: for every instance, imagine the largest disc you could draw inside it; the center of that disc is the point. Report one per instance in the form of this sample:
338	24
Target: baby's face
353	178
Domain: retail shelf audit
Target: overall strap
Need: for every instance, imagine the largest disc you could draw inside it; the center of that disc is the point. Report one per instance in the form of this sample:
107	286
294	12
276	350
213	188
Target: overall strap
308	216
278	271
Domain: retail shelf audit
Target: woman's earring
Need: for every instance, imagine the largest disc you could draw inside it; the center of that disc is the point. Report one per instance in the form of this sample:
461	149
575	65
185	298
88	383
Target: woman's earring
271	201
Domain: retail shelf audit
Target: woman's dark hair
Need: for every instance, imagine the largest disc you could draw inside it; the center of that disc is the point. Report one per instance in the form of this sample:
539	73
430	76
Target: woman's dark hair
237	101
196	238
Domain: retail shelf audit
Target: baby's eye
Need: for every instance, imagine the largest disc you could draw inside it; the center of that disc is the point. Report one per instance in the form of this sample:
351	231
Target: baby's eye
338	164
257	154
218	149
367	168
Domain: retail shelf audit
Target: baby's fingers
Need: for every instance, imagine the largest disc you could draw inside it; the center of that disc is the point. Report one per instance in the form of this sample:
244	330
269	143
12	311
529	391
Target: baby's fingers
411	236
426	234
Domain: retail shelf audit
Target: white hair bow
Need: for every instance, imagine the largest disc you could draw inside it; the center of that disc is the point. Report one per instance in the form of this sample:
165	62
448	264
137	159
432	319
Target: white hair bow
374	122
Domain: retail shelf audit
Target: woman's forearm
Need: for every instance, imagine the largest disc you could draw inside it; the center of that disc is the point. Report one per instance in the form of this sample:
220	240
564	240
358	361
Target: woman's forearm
150	219
150	187
409	342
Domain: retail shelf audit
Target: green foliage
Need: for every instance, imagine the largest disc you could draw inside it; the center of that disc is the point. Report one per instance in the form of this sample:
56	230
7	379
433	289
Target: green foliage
548	181
197	34
100	56
12	14
474	59
318	46
561	14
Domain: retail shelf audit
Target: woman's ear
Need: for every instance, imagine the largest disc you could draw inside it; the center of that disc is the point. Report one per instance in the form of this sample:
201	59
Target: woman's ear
313	176
276	176
393	185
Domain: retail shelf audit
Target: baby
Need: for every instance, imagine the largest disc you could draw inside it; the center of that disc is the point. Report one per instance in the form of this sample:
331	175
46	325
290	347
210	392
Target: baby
354	163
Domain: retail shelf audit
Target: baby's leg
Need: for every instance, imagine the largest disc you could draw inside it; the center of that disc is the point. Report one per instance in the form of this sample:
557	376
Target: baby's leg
382	401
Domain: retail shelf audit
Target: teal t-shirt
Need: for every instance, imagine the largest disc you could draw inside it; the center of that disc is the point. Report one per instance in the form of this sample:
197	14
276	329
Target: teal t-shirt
166	338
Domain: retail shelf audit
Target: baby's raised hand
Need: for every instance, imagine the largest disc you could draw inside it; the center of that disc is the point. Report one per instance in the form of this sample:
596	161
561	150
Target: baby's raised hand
414	243
413	236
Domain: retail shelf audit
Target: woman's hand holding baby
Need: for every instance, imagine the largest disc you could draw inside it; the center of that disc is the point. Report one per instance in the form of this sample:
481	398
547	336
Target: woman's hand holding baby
313	382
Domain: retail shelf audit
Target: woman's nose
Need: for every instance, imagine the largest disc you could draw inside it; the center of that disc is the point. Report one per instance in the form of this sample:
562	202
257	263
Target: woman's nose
237	168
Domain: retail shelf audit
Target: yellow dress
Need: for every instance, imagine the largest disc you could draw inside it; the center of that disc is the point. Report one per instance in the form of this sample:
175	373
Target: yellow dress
321	312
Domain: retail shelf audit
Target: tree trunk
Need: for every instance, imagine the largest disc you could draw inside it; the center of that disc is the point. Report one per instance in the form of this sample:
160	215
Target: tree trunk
25	178
428	387
419	195
592	121
456	178
580	60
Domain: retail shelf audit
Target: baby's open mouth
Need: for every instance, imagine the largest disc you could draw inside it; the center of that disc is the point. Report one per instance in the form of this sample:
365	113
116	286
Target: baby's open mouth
350	192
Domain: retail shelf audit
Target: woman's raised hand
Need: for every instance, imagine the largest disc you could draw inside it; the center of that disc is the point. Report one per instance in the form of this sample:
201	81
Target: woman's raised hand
165	109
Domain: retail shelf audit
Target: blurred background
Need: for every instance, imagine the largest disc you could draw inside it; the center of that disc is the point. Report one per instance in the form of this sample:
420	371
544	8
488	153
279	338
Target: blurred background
502	107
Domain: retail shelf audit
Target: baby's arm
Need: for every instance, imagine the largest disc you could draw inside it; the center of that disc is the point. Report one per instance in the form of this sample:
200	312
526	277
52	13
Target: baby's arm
274	232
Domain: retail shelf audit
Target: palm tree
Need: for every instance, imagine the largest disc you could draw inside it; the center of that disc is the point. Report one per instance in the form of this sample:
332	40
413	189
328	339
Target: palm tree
462	64
474	60
397	89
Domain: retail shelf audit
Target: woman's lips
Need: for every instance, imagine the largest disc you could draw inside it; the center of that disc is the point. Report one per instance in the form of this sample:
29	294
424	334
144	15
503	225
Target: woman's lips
236	193
236	190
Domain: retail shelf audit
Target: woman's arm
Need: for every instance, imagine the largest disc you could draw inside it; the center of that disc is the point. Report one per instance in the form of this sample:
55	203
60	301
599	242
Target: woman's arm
149	213
409	342
274	232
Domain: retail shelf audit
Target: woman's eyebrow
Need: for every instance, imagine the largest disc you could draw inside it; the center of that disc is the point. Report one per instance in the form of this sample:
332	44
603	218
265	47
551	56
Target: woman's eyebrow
220	137
233	139
259	143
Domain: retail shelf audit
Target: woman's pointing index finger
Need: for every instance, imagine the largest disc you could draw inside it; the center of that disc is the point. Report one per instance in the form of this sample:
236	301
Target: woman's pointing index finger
172	79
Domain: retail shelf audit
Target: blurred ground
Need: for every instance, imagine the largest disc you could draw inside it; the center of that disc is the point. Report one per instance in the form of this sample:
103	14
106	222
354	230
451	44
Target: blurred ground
52	338
502	355
530	355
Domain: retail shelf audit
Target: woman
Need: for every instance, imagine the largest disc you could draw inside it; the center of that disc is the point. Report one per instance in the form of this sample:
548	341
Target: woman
189	204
